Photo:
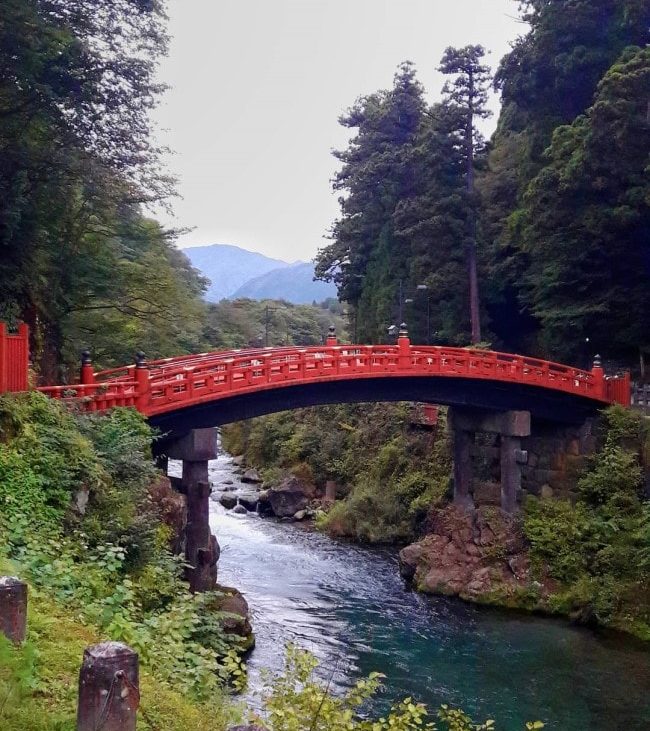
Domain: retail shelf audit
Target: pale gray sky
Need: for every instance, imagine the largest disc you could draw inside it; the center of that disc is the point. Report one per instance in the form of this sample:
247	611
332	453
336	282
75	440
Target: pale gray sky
258	86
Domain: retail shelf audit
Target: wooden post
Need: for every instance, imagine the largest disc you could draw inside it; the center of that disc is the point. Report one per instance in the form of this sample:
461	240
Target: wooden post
142	381
404	347
87	375
3	358
109	693
331	337
13	608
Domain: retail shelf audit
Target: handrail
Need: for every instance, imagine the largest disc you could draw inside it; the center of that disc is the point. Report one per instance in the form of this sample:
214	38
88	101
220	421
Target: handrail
172	383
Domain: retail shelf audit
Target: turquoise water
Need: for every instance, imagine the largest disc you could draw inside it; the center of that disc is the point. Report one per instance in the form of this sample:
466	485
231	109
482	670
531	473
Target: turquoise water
349	606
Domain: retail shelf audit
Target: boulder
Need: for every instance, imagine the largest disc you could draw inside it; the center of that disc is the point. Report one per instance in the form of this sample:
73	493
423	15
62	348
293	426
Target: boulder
290	497
471	554
232	603
249	500
171	508
251	476
228	501
238	461
300	515
239	510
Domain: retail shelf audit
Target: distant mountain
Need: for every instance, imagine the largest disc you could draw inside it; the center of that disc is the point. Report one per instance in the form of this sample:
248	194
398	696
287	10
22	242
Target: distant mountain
229	267
293	283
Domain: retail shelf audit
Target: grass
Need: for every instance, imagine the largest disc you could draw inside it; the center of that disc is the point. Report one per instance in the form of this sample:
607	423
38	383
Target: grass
59	640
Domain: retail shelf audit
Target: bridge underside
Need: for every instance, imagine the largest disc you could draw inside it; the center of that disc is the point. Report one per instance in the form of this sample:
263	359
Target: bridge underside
542	404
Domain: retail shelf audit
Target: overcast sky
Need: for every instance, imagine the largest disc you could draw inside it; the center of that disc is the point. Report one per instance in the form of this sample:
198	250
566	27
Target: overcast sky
258	86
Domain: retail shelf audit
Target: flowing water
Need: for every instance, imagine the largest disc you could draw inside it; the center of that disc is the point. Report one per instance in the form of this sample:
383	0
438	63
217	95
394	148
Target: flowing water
348	605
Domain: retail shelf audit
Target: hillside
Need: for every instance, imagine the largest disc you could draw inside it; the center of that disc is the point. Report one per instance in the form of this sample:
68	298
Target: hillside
229	267
294	283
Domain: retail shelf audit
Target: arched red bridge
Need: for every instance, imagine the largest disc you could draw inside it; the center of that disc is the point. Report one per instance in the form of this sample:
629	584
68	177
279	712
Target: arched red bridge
211	389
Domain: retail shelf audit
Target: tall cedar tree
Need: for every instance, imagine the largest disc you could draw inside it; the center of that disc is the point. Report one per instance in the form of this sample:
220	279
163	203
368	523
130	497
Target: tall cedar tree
467	93
548	79
366	259
585	225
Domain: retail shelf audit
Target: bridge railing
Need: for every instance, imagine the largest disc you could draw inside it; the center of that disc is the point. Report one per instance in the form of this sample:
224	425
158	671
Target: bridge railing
196	379
96	396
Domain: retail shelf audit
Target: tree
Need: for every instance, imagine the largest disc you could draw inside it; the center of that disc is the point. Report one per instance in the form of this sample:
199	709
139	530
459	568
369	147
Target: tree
585	224
547	80
365	259
467	93
76	88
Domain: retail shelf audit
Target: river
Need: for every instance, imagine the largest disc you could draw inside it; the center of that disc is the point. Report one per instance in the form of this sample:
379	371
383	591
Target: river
348	605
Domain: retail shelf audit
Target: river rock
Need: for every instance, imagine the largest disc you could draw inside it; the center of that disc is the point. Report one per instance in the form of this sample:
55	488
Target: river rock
239	509
471	554
228	482
228	501
171	508
249	500
290	497
251	476
300	515
238	461
237	620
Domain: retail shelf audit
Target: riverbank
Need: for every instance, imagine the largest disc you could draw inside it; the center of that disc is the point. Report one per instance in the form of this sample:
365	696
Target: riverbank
584	554
348	605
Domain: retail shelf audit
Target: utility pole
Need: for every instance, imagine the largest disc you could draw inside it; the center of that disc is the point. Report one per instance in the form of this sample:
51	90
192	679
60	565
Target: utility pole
267	320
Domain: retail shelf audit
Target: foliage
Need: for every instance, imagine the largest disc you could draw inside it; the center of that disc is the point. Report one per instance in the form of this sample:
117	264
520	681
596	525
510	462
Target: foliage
79	261
585	221
549	80
109	565
245	323
296	701
393	472
598	548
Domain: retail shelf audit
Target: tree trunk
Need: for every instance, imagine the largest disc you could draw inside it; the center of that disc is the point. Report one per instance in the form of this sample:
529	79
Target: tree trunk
474	306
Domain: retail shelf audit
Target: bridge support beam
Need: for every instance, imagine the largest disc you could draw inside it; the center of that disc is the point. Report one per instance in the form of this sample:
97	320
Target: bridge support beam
201	547
511	426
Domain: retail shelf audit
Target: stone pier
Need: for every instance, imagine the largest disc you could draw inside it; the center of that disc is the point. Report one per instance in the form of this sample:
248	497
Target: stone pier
518	455
201	547
511	427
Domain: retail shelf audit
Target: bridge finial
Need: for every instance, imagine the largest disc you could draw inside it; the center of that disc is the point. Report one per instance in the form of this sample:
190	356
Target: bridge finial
331	336
87	375
598	362
140	359
403	330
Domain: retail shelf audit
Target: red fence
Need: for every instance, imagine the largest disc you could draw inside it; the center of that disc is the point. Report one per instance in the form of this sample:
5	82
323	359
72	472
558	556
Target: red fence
161	386
14	359
165	385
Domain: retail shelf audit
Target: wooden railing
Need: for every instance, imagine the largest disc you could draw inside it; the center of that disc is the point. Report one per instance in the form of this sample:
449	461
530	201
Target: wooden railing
166	385
159	386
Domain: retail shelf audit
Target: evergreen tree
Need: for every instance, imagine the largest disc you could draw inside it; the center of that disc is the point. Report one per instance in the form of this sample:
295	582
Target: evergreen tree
548	79
467	94
585	225
365	259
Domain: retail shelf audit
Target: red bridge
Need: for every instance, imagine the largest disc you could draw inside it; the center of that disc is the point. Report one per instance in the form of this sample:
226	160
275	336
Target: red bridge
211	389
185	397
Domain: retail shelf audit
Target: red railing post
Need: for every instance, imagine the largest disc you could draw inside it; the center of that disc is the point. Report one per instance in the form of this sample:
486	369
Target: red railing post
598	373
142	387
87	373
331	337
3	358
404	347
